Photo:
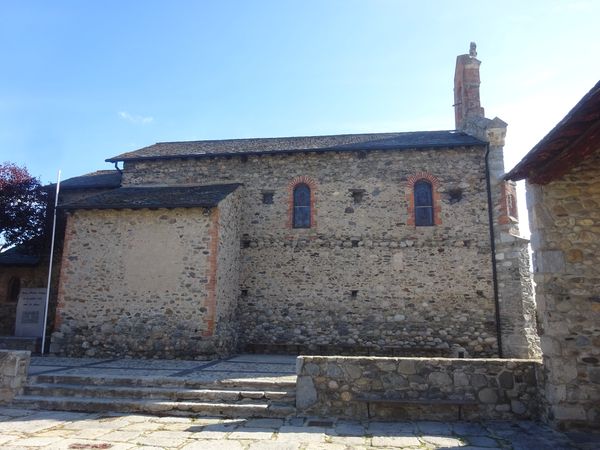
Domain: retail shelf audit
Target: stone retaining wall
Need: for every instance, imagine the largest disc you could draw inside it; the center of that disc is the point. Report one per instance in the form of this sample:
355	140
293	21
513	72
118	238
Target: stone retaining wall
13	373
498	388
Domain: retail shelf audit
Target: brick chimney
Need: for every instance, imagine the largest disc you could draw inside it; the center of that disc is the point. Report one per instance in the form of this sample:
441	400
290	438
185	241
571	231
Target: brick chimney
466	88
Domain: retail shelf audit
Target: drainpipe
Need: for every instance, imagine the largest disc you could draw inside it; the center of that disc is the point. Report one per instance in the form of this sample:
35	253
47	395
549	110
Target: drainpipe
117	167
493	247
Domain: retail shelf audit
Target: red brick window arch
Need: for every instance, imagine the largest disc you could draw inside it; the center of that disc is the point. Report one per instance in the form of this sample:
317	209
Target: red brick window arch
301	210
423	198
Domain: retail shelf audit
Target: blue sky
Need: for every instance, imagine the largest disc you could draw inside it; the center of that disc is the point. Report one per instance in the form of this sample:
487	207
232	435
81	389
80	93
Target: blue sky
81	81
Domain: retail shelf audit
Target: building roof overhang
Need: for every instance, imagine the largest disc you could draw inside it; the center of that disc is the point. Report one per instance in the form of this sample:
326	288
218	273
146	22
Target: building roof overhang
19	256
573	139
154	197
100	179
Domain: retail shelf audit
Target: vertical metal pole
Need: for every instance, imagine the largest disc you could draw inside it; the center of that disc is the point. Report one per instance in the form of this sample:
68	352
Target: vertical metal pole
50	264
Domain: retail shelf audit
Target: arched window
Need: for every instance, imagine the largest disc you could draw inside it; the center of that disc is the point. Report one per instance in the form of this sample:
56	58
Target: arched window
301	206
14	288
423	204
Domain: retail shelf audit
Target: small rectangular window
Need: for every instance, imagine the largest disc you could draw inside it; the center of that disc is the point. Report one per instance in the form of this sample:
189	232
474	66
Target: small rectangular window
357	195
267	197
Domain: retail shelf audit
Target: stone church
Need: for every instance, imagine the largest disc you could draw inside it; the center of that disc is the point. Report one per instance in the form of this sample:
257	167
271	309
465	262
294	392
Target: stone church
384	244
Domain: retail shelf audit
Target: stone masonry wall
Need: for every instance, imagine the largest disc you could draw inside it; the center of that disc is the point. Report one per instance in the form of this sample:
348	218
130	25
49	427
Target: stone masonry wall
515	289
361	279
137	283
565	222
13	373
227	273
499	388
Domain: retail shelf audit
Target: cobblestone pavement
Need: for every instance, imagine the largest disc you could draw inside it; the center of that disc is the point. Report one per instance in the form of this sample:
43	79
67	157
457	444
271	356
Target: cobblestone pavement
34	429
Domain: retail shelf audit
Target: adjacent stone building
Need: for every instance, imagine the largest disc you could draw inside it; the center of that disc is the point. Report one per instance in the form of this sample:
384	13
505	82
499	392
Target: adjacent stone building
18	270
21	267
563	188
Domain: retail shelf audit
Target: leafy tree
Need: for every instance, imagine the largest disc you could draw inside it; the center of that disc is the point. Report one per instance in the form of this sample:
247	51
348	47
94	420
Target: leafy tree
23	204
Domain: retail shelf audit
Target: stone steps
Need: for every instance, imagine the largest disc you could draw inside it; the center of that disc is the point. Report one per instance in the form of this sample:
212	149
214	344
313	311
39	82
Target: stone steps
177	408
162	396
190	383
159	393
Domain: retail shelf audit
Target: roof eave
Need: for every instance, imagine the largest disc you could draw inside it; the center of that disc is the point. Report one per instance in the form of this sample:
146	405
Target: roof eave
296	151
222	191
157	206
22	261
532	161
19	264
80	188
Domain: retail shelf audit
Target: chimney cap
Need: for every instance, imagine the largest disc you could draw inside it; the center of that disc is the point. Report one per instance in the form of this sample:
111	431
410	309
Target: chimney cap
473	50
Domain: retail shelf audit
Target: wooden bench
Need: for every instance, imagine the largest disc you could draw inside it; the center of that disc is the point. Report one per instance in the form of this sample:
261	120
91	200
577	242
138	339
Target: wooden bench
414	402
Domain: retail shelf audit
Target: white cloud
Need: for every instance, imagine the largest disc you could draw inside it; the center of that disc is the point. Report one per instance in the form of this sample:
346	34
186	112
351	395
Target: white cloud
132	118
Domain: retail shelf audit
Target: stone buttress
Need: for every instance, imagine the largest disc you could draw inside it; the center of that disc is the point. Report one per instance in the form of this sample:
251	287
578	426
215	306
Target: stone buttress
516	303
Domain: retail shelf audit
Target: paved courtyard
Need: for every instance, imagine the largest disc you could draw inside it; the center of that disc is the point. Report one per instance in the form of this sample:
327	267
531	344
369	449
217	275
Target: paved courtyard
33	429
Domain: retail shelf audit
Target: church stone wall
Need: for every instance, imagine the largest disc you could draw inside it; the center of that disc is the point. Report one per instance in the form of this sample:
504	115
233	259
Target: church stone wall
565	216
227	272
136	283
515	288
361	279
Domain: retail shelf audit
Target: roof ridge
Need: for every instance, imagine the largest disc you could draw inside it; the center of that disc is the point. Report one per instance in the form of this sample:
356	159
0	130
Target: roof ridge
279	145
307	136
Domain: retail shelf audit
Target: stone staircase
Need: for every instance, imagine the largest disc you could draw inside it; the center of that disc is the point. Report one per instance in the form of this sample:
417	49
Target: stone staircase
248	397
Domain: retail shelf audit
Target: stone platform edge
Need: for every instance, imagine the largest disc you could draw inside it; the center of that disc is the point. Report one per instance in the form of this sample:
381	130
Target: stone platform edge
424	388
14	365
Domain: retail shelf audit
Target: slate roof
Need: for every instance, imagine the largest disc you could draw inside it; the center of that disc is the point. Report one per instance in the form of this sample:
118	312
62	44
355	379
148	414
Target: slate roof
16	256
94	180
574	138
155	197
261	146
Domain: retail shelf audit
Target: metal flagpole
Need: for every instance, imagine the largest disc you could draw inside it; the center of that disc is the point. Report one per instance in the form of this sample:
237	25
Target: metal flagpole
50	264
